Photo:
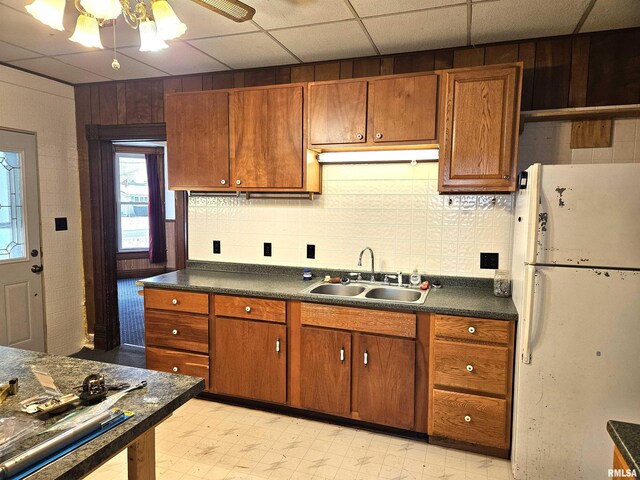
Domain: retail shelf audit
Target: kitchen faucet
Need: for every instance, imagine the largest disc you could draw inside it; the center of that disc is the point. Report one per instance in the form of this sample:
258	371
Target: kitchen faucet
373	273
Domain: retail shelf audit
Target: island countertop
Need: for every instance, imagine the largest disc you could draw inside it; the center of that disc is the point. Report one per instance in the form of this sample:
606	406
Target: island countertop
462	298
626	437
163	394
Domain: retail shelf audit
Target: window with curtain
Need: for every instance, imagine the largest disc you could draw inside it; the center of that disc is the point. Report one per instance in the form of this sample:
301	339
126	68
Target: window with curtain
132	202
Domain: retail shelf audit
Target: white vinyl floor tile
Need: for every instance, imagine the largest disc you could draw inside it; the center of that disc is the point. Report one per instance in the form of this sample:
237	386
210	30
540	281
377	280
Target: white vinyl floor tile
208	440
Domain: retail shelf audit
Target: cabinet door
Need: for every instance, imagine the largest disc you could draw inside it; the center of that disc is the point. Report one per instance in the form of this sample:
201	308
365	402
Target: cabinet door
198	140
325	370
479	130
338	113
266	138
403	109
250	359
384	383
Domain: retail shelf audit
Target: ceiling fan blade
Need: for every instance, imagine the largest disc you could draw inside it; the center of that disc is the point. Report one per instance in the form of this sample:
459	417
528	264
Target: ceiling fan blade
233	9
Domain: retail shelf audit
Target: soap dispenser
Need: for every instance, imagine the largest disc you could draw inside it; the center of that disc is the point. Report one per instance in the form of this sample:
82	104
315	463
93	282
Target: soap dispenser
415	278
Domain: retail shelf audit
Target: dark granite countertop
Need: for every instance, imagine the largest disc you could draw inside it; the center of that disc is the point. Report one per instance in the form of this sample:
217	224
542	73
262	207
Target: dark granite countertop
626	436
465	298
164	394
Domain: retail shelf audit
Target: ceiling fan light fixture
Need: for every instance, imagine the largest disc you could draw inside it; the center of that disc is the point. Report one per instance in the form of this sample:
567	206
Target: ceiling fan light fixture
150	41
103	9
87	32
233	9
168	24
49	12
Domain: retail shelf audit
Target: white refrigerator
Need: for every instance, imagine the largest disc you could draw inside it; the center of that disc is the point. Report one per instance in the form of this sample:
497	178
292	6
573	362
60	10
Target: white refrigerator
576	285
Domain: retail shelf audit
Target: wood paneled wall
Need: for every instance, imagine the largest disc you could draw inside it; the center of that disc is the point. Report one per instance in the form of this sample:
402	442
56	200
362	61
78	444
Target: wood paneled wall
600	68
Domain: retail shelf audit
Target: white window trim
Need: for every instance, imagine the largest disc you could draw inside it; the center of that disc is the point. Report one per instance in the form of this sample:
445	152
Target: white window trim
119	203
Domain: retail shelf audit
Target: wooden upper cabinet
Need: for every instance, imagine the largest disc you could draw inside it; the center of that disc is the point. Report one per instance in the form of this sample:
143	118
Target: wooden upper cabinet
338	112
266	137
197	140
384	380
403	109
479	111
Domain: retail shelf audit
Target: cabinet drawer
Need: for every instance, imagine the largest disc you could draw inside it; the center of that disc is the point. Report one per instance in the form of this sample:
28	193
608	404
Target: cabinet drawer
172	361
176	300
177	330
484	368
253	308
470	418
359	320
477	329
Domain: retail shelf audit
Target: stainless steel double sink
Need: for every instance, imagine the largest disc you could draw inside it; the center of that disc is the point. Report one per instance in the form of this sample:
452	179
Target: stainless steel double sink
377	292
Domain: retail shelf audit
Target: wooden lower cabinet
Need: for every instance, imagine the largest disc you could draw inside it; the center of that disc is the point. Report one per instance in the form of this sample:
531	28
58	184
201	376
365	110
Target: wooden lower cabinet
175	361
250	359
384	380
325	370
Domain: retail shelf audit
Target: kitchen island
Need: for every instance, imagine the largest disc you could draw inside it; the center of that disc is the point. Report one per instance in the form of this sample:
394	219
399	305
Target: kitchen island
626	453
163	394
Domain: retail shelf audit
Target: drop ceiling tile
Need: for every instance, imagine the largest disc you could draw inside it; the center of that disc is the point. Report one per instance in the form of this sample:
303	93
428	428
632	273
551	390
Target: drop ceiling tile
424	30
22	29
99	62
53	68
10	52
246	50
612	14
202	22
368	8
292	13
179	59
326	41
516	19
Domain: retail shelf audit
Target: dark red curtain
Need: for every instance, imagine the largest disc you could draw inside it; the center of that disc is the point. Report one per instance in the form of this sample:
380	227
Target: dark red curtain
157	235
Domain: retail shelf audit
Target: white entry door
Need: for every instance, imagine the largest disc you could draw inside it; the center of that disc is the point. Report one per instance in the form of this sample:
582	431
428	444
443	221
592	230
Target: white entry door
21	318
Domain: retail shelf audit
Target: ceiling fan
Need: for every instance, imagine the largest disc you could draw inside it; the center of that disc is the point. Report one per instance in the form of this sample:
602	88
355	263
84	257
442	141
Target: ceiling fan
156	22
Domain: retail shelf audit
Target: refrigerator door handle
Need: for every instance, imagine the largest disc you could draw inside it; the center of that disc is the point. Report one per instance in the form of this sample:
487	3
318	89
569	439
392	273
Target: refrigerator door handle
529	286
534	210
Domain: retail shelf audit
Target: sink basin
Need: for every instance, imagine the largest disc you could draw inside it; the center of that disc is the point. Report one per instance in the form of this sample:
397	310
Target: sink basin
395	294
337	289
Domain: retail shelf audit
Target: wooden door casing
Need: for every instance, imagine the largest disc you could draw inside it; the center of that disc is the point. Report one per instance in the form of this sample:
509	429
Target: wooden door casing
479	111
198	140
325	379
403	109
266	136
384	389
245	361
338	113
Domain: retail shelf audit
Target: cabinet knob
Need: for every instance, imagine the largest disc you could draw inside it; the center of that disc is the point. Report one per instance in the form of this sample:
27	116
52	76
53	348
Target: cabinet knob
223	181
378	135
175	369
238	182
472	329
469	368
342	355
506	177
174	301
174	331
247	308
366	358
278	345
359	136
467	418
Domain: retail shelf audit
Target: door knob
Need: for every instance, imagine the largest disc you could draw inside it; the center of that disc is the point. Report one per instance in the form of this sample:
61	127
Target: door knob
378	136
472	329
36	268
174	331
223	182
175	369
467	418
469	368
174	301
359	136
238	182
247	308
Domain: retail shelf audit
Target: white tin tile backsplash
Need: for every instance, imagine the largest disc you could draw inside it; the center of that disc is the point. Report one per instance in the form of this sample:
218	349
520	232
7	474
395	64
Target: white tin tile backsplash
393	208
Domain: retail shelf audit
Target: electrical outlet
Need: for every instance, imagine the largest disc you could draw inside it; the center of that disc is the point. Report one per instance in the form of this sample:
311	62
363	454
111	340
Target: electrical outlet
61	224
216	246
311	251
489	260
267	249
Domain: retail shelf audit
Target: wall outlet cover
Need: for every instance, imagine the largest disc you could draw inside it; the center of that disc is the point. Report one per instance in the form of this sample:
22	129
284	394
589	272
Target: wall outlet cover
216	246
267	249
61	224
311	251
489	260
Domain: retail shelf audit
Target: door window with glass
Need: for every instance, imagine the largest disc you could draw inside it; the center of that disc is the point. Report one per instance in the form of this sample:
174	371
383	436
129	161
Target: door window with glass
132	197
12	234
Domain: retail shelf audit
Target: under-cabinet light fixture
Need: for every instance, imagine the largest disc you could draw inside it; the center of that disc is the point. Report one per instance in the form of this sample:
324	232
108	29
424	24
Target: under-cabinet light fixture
379	156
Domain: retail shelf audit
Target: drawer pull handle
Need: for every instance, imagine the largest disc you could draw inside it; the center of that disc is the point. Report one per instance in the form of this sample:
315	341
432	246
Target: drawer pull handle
175	369
366	358
469	368
467	418
174	331
472	329
174	301
359	136
247	308
342	355
278	345
378	136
